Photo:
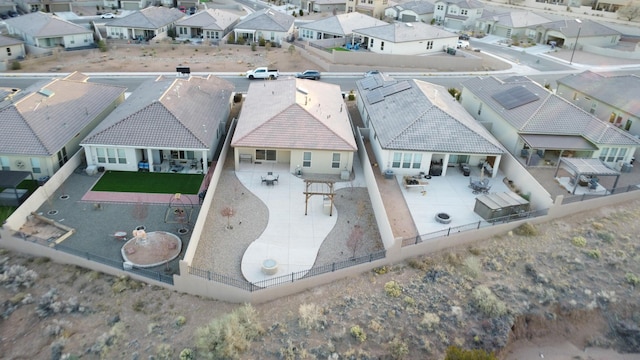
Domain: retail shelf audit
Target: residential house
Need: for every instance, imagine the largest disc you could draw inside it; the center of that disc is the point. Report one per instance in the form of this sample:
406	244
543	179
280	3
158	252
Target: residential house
165	125
519	24
418	127
210	24
373	8
412	11
12	49
320	6
566	33
406	39
338	26
271	25
40	30
48	119
48	6
458	14
303	123
538	125
150	23
613	99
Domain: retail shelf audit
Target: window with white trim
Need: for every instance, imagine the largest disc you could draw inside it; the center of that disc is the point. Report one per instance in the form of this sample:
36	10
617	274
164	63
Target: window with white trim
603	154
266	155
429	44
111	156
306	159
4	163
335	161
621	154
35	165
612	155
406	160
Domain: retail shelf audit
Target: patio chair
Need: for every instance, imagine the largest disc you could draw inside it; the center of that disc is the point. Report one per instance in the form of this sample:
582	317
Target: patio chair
264	179
276	179
270	173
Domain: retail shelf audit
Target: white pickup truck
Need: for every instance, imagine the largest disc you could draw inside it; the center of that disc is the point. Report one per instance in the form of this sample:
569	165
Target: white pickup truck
262	73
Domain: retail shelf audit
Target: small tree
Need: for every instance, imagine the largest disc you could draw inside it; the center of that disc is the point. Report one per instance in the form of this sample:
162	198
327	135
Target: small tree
301	13
241	41
267	46
355	239
15	65
102	45
630	11
228	213
171	32
291	49
293	13
261	41
231	38
455	93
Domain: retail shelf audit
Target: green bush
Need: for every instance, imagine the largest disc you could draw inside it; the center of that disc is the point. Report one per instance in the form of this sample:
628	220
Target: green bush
381	270
579	241
594	254
358	333
261	41
455	353
300	12
242	41
632	279
231	38
398	349
393	289
102	45
187	354
253	46
180	321
606	237
229	336
487	302
15	65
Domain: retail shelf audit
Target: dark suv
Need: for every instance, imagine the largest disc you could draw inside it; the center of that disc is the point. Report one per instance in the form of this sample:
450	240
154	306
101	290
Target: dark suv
309	74
463	37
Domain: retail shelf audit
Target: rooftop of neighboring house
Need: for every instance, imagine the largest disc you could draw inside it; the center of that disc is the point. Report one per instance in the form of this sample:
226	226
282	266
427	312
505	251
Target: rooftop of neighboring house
515	19
294	114
42	122
620	92
39	24
463	4
405	32
532	109
416	115
210	19
168	112
343	24
418	7
587	28
8	41
153	17
267	20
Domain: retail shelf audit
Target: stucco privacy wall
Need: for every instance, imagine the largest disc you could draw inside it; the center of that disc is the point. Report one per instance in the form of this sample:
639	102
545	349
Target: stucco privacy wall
515	171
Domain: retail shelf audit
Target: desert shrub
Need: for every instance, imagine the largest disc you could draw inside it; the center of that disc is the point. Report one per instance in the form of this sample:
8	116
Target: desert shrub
393	289
606	236
261	41
164	352
231	38
357	332
352	95
187	354
398	349
455	353
300	12
579	241
229	336
487	302
253	46
594	254
311	316
423	263
17	298
375	326
15	65
632	279
180	321
430	321
597	225
268	46
138	305
381	270
241	41
102	46
409	301
472	266
526	229
17	276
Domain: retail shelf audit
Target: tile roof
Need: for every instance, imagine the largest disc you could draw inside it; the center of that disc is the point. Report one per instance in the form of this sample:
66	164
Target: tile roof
41	120
210	19
422	117
150	18
549	115
294	114
8	41
167	113
620	91
418	7
343	24
587	28
39	24
267	20
406	32
331	2
516	19
464	4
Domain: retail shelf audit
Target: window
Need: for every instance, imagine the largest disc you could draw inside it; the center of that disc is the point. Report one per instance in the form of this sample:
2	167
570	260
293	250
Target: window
111	156
627	126
465	12
268	155
603	153
612	117
612	155
62	157
4	163
100	154
621	154
8	51
429	44
335	161
508	33
406	161
396	160
181	155
440	7
371	44
593	108
273	36
382	45
35	165
417	161
122	158
306	159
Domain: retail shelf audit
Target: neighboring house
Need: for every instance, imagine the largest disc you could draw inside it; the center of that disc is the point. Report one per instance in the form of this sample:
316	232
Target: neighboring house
49	6
48	119
304	123
42	30
415	126
521	24
152	22
268	24
211	24
11	49
324	5
373	8
613	99
127	4
166	125
338	26
412	11
406	39
531	121
458	14
565	34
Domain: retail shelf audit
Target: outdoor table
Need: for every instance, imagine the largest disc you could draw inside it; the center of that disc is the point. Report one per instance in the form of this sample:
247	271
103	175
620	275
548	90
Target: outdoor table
270	179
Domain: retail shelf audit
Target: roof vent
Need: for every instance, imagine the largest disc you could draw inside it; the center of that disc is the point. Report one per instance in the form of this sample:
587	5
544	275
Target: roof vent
304	91
409	25
46	92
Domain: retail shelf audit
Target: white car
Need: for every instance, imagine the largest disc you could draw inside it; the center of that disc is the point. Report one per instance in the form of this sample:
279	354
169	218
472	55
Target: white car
462	44
107	16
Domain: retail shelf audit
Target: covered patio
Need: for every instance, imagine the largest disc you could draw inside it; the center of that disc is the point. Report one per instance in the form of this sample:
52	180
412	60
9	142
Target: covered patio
584	175
10	195
540	150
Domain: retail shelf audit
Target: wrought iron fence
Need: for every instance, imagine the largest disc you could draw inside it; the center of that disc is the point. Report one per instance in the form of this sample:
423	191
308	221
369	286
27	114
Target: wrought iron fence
472	226
598	194
118	264
276	281
320	47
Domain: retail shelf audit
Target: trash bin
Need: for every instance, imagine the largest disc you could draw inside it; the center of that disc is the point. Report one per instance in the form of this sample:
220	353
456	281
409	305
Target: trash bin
388	174
42	180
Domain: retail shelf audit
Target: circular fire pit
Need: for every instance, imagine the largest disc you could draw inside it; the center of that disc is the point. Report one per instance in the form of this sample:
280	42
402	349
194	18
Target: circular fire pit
269	267
443	218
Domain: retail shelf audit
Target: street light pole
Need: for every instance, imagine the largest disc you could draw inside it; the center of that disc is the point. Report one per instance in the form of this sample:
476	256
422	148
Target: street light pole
575	45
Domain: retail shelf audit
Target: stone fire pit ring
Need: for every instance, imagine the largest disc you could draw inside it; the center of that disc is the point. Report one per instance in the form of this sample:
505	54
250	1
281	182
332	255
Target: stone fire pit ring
443	218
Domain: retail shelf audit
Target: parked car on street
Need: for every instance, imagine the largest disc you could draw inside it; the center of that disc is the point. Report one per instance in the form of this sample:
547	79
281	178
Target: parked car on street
309	74
12	13
107	16
462	44
372	72
183	9
4	16
262	73
193	10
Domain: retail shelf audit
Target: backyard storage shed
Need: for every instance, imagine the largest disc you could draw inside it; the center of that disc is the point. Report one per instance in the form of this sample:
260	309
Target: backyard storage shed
499	205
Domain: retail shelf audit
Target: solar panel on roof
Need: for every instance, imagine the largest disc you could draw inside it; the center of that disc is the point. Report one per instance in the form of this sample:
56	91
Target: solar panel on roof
375	96
514	97
395	88
369	83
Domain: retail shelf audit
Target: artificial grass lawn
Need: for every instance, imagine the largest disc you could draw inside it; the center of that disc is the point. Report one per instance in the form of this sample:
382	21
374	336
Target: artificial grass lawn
339	49
6	211
148	182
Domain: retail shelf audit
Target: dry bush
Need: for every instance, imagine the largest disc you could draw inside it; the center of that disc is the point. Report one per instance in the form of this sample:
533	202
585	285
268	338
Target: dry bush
487	302
393	289
311	316
472	266
526	229
430	321
398	349
229	336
